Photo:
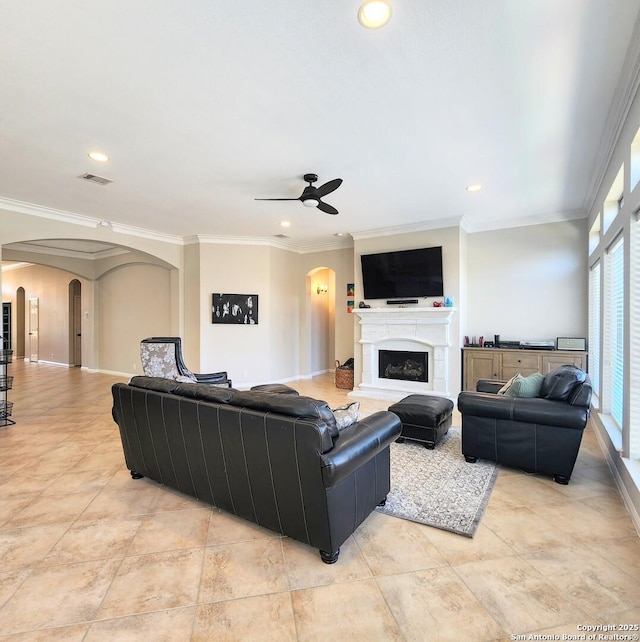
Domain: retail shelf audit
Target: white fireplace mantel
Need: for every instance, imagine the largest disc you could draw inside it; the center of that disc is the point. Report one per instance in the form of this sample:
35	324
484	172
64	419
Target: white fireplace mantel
404	328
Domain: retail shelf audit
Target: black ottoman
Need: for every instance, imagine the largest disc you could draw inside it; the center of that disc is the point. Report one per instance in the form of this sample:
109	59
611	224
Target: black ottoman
278	388
424	418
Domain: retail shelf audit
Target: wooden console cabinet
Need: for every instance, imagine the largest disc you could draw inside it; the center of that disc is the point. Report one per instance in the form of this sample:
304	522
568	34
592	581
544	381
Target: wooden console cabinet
502	363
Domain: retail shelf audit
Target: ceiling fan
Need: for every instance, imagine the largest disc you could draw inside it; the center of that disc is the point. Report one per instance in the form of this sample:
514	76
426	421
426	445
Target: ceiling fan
311	195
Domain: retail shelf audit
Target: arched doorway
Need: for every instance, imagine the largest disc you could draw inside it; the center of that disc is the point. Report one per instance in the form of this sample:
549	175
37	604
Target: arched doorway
20	323
321	298
75	323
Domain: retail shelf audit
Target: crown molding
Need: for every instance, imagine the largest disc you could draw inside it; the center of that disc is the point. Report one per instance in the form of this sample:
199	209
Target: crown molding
623	98
267	242
473	227
70	254
436	224
42	211
7	267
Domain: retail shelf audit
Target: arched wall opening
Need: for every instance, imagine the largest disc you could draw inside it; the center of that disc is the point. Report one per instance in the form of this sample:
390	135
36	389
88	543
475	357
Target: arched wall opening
321	304
75	323
20	328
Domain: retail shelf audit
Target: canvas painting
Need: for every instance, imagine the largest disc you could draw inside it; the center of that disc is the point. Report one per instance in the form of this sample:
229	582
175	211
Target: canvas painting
235	309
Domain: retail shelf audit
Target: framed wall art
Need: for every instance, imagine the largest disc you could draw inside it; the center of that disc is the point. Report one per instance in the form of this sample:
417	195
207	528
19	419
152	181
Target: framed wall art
235	309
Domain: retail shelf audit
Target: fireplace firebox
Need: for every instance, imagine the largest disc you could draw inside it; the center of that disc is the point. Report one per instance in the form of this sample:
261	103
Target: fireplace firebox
403	364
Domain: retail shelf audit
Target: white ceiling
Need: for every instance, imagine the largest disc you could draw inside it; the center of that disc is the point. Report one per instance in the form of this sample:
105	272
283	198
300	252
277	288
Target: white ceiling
205	105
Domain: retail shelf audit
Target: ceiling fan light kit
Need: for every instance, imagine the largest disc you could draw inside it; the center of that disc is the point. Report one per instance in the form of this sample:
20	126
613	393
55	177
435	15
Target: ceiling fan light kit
374	14
311	196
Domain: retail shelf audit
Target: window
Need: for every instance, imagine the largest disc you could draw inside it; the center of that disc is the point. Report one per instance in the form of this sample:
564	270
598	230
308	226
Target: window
614	200
594	328
613	364
634	339
594	235
635	161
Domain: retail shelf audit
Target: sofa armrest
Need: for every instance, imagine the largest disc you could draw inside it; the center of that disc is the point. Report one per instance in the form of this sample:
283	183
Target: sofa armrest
359	443
213	377
531	410
489	385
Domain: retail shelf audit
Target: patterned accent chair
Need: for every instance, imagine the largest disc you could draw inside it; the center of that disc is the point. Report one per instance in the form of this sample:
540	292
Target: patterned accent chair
162	357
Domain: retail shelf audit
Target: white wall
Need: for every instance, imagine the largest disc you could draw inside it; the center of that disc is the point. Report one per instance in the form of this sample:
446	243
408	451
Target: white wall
525	283
449	239
528	283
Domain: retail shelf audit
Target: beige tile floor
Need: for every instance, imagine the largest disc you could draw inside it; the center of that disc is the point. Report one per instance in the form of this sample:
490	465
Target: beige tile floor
87	553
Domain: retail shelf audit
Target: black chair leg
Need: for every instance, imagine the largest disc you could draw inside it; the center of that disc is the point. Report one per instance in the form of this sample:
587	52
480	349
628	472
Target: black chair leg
329	558
136	475
561	479
470	460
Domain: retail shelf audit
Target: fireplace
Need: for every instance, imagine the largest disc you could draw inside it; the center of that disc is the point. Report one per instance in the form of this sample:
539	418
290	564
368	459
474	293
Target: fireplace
404	330
406	365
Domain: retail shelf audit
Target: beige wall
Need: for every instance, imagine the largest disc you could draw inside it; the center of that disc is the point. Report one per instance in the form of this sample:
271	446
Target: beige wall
342	265
134	302
124	306
244	351
51	288
505	281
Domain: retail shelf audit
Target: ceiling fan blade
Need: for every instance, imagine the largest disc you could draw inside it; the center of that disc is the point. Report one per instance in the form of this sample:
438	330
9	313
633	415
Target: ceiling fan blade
329	187
327	208
276	199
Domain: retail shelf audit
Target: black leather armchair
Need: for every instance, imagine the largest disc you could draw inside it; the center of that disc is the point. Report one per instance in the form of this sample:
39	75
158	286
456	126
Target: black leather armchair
540	435
162	357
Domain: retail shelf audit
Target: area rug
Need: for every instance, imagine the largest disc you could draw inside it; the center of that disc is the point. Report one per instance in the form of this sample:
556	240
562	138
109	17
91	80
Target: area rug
438	487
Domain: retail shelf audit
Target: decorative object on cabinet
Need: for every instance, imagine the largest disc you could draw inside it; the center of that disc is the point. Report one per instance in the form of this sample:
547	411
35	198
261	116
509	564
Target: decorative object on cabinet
571	343
503	364
6	383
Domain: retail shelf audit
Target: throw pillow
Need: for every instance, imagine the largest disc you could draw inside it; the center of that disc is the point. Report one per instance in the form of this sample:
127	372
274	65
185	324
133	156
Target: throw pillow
346	415
526	386
508	385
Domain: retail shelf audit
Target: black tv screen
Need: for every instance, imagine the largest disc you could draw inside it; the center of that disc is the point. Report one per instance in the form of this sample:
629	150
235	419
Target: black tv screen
403	274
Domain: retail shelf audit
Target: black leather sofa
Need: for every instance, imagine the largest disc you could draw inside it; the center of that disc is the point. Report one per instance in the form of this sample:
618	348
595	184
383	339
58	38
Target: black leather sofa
539	435
275	459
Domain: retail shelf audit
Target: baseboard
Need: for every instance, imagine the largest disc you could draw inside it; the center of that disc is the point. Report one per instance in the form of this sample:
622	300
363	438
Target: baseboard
629	484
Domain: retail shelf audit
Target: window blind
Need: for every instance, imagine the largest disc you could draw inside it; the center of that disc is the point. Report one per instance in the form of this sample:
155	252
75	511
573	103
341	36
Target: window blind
615	313
594	328
634	339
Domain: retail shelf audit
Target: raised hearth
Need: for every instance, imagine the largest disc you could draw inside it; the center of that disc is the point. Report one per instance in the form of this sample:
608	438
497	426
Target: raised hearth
413	329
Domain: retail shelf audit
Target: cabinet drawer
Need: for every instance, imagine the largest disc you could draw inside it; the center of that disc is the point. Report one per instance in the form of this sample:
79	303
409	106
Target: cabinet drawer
523	361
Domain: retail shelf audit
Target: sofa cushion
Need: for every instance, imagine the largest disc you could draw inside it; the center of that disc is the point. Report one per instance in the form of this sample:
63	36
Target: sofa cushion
560	383
292	406
525	386
346	415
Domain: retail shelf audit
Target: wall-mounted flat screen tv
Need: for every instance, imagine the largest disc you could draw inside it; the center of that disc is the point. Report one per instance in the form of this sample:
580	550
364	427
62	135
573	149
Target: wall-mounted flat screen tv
403	274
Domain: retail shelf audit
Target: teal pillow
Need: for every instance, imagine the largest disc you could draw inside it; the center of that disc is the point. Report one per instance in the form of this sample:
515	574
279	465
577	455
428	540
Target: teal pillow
525	386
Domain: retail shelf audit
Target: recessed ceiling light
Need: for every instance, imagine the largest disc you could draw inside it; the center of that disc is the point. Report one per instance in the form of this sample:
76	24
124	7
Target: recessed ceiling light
98	156
374	14
476	187
285	223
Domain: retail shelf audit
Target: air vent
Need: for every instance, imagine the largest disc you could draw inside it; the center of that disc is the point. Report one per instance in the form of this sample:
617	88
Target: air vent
281	236
100	180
